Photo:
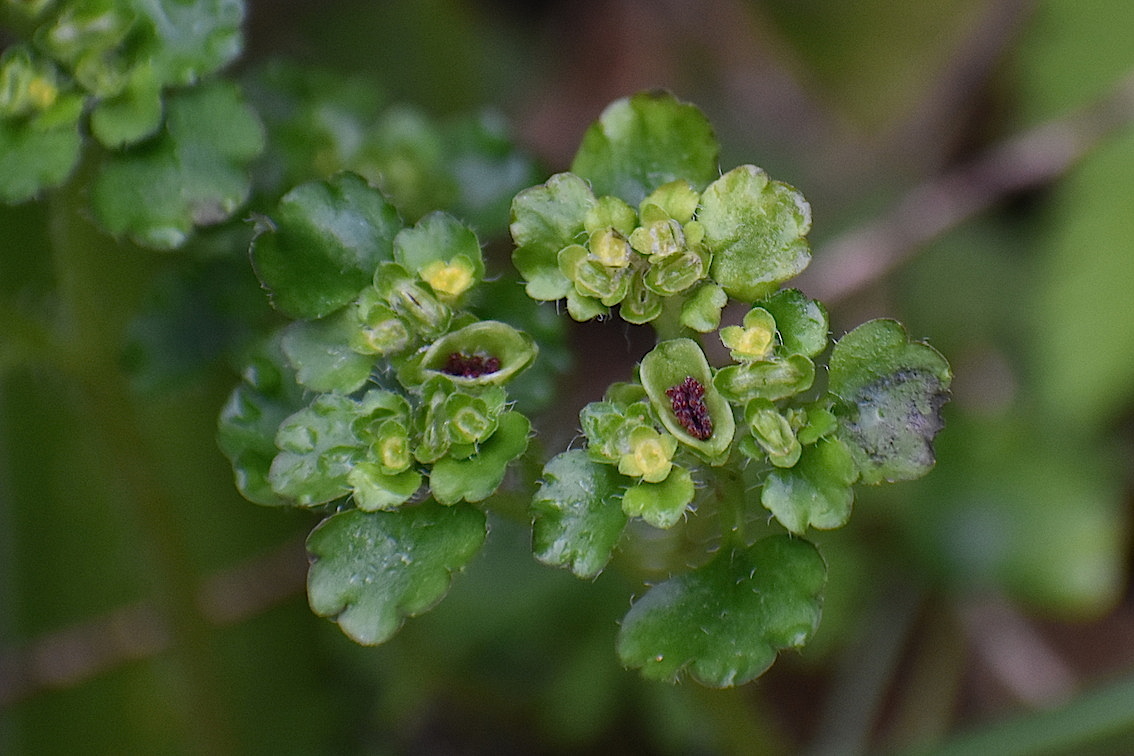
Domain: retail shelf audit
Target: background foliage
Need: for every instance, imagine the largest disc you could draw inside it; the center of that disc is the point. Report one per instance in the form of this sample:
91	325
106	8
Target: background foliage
146	607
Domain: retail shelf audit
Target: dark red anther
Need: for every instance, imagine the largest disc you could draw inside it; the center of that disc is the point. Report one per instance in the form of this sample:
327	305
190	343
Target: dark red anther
470	365
687	400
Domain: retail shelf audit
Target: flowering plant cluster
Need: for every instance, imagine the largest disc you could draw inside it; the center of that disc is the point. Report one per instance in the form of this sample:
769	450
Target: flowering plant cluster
385	402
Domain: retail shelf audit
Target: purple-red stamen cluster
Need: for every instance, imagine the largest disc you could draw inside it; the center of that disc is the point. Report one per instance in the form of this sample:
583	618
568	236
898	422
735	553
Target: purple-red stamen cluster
687	399
470	365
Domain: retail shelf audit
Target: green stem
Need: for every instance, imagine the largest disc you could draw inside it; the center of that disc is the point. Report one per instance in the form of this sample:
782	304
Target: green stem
732	497
26	340
93	278
668	325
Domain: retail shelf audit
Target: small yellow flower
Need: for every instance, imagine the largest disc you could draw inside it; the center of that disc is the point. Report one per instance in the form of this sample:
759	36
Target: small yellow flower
394	453
754	340
610	248
42	92
650	455
659	238
449	279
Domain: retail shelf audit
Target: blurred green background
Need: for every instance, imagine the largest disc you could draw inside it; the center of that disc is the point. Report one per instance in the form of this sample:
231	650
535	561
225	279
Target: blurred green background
146	608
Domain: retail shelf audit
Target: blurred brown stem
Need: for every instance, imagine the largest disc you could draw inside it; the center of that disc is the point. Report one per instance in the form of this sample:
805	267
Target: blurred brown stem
862	256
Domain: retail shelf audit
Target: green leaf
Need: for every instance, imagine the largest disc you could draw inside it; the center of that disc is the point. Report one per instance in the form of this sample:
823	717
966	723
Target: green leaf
756	229
39	125
247	426
323	244
192	175
801	322
768	379
477	477
375	489
32	160
321	444
643	142
371	570
890	394
816	492
320	352
131	115
318	448
668	365
577	514
545	219
660	504
723	623
192	39
702	311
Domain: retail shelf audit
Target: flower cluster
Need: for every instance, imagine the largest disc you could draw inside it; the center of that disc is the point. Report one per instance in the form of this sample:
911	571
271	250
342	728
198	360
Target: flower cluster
742	235
409	385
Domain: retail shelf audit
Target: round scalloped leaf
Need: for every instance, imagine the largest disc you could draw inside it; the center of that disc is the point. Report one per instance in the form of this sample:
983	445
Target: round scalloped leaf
320	352
375	489
323	243
756	229
645	141
321	355
668	365
545	219
193	39
890	393
801	322
193	174
131	115
816	492
32	160
477	477
724	623
371	570
247	426
318	448
577	514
